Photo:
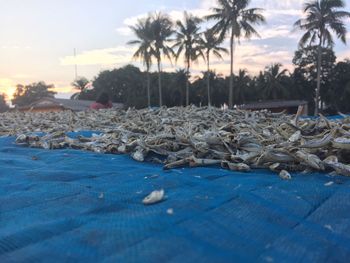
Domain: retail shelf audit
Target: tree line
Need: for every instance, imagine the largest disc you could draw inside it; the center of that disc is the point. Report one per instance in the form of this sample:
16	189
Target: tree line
233	19
315	77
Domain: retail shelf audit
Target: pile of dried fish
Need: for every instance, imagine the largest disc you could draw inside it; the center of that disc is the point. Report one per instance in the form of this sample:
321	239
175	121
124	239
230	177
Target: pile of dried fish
236	140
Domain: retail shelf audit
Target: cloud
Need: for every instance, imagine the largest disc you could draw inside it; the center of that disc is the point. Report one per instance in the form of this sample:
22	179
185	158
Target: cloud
175	14
124	31
252	57
277	42
109	56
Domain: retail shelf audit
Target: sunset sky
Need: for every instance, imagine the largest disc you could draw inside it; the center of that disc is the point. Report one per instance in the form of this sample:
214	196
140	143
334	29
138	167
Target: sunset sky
37	37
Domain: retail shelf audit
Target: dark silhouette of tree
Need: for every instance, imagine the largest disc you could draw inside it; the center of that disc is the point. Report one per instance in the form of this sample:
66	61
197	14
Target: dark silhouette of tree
242	83
339	92
304	60
322	17
236	20
276	82
79	84
126	85
162	30
187	43
144	34
25	95
3	105
210	44
301	88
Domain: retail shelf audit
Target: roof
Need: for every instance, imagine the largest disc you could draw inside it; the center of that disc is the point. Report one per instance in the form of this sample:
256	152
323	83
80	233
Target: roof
272	104
74	105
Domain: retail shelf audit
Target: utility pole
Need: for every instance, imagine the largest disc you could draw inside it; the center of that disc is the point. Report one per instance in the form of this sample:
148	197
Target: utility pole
76	66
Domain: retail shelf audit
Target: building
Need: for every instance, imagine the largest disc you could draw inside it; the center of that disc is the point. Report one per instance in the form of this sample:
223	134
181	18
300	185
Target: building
289	106
54	104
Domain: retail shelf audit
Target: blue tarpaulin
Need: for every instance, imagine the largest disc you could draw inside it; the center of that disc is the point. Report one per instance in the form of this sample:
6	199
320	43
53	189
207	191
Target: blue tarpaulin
74	206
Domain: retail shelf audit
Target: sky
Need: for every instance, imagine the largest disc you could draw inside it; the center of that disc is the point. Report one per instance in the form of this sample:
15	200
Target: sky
38	38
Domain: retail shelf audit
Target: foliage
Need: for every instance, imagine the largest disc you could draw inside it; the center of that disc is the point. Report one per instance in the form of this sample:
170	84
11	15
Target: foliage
126	85
144	34
188	43
339	92
210	45
234	19
79	84
304	59
275	82
3	104
25	95
322	17
162	30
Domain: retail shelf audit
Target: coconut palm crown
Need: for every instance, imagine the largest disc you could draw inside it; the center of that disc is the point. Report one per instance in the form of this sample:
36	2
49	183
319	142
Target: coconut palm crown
210	44
187	42
144	34
322	18
236	20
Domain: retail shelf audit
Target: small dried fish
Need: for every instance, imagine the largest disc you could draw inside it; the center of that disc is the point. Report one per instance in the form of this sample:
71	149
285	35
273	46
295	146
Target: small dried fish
285	175
191	136
154	197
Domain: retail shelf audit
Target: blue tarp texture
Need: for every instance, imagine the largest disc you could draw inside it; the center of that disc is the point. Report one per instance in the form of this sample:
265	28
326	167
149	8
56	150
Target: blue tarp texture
74	206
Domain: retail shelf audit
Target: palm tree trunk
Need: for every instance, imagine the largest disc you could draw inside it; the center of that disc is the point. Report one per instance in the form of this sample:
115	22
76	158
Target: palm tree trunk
187	83
230	99
160	84
319	61
208	80
148	89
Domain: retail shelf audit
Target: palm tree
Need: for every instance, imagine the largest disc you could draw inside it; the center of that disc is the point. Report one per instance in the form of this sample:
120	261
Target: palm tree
187	42
3	104
322	17
143	32
162	30
209	43
79	84
242	84
235	19
275	82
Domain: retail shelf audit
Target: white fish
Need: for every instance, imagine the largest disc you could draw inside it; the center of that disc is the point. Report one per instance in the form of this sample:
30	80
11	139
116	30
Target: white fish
285	175
295	137
154	197
329	183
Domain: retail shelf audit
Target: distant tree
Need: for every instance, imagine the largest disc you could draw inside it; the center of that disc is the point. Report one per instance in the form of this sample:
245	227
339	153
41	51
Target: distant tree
79	84
304	60
3	104
322	17
144	33
220	85
339	92
276	82
301	88
124	85
235	19
174	87
210	44
25	95
242	83
187	42
162	30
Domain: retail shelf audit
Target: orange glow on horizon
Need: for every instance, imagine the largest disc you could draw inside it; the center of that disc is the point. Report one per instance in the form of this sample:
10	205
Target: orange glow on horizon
7	87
